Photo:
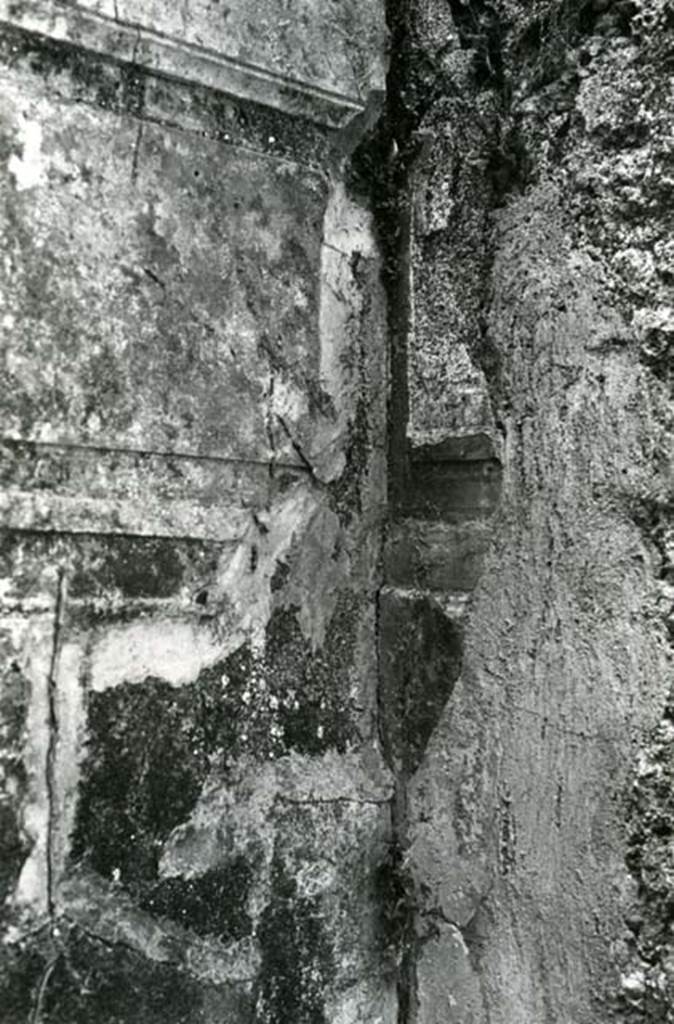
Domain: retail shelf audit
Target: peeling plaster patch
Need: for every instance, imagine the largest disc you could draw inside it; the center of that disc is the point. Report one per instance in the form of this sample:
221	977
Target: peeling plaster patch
243	819
174	651
28	170
236	816
366	1001
244	583
314	587
321	821
226	817
245	575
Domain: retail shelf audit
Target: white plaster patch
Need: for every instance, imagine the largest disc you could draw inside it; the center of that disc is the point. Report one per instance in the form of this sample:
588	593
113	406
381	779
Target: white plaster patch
288	402
370	1000
347	230
340	299
36	642
28	170
347	226
71	717
173	651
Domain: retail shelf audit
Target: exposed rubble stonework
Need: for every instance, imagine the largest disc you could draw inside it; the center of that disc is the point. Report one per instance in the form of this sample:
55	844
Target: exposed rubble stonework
336	552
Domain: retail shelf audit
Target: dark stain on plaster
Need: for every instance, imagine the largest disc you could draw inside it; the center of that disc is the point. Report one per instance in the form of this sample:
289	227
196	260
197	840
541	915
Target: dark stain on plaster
542	45
23	555
21	968
280	577
214	903
135	568
97	983
297	964
109	84
319	717
481	30
146	760
453	490
657	352
421	652
138	567
151	747
112	578
394	897
14	692
655	517
13	848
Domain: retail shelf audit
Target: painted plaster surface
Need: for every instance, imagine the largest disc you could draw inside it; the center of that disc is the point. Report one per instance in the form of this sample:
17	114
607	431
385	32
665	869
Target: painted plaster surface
195	811
130	282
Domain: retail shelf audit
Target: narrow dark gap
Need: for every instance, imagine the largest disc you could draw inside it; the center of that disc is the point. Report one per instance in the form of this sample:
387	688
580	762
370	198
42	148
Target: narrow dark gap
462	481
53	722
381	167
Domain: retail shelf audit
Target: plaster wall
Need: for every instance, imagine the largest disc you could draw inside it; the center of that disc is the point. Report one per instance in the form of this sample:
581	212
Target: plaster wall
194	810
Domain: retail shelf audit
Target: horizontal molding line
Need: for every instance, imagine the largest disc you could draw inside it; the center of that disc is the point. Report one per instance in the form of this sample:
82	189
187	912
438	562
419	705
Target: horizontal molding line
122	534
150	453
185	61
131	499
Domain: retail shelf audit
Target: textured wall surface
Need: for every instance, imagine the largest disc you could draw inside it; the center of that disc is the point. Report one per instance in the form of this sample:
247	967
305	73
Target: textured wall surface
536	827
337	564
195	815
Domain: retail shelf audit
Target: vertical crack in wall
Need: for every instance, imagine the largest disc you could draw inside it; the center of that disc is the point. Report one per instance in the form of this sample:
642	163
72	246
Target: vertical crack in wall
38	1010
53	948
50	765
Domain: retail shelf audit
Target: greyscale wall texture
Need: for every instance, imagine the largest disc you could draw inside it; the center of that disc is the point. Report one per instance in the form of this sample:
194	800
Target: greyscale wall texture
337	546
194	404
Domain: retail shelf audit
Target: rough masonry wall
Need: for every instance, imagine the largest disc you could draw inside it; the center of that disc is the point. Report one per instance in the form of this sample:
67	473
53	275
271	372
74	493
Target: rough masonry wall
536	827
195	814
